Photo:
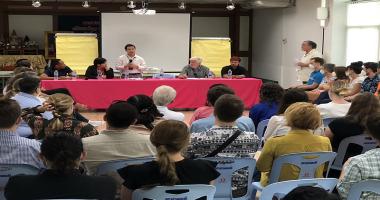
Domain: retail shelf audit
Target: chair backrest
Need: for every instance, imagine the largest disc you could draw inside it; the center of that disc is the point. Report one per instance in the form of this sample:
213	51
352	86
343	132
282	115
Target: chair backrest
280	189
308	162
113	166
365	186
8	170
177	192
261	127
363	140
226	167
327	121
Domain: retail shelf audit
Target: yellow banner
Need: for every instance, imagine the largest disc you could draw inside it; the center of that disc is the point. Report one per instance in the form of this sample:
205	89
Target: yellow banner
77	51
215	53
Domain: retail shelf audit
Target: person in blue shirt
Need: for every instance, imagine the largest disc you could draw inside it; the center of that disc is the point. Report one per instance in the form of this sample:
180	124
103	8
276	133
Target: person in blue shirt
270	96
57	64
316	76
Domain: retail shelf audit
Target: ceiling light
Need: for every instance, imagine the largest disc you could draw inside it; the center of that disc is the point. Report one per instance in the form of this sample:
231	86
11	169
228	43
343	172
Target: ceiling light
182	5
230	5
85	4
131	4
36	3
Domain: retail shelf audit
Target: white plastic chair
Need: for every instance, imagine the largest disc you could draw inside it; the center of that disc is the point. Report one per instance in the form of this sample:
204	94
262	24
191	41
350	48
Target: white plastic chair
307	162
365	186
113	166
261	127
280	189
177	192
362	140
8	170
226	167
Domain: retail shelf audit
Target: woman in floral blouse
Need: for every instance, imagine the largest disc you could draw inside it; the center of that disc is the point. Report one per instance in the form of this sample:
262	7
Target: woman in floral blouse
62	106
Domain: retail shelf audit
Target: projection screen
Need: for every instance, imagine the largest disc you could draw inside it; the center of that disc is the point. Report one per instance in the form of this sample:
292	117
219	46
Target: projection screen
163	40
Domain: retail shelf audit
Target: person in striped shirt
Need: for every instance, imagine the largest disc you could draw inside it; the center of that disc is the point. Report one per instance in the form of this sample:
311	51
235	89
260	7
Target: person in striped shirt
13	148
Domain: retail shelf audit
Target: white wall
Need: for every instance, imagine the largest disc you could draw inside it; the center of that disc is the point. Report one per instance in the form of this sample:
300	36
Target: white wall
32	25
210	27
278	34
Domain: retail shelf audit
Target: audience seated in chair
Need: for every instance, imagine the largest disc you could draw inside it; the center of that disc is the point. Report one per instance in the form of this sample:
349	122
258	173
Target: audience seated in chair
354	70
162	97
315	78
28	97
13	148
338	107
370	83
63	179
170	138
147	113
353	123
228	108
277	123
117	142
243	123
365	166
309	193
270	96
62	108
328	78
301	117
212	96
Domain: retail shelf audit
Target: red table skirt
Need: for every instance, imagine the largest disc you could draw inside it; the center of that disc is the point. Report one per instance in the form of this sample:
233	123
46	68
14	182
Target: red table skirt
191	93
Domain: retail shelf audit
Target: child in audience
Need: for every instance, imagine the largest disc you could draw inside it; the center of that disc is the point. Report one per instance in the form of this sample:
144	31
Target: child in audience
63	107
365	166
338	107
63	179
171	138
301	117
270	96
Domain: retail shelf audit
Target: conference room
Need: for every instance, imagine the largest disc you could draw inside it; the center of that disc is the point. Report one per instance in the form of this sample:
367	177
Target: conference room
189	99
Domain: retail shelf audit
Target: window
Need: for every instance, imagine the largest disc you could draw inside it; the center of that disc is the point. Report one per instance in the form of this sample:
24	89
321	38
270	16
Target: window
363	32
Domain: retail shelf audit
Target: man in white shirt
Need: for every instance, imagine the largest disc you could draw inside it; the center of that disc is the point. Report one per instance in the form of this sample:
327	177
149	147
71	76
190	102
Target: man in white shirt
310	49
131	62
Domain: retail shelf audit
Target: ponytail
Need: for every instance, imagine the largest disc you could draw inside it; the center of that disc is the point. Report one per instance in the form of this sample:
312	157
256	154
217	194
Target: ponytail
56	124
167	167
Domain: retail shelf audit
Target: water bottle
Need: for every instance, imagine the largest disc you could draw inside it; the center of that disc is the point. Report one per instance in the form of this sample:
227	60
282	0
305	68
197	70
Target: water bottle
210	75
126	74
229	73
56	74
74	75
161	73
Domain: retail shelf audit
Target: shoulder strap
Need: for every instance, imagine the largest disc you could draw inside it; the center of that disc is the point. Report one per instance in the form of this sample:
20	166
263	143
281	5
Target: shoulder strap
225	144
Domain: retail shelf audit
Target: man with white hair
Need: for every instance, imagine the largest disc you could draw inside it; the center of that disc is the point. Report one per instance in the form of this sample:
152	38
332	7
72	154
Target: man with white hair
162	97
194	69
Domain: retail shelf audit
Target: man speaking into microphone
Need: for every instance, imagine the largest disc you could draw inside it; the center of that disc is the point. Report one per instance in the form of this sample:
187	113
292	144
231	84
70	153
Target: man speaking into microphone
131	62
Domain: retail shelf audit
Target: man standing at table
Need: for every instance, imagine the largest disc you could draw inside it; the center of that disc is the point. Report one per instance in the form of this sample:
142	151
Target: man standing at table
131	62
310	49
237	70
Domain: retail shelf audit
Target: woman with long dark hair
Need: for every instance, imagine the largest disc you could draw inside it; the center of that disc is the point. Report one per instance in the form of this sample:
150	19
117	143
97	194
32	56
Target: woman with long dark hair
171	138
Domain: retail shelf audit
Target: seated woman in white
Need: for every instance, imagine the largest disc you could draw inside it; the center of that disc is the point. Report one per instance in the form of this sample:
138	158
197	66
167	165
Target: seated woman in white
277	124
338	107
162	97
